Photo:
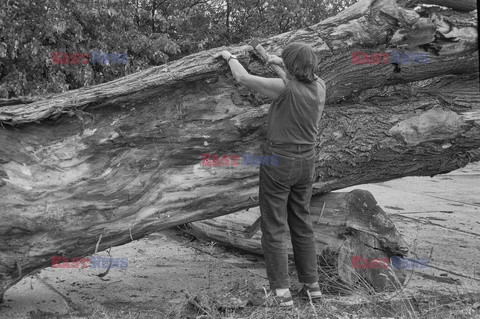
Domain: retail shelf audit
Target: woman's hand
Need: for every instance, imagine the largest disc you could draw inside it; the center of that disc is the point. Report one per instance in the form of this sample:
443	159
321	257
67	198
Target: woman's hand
270	87
225	54
273	59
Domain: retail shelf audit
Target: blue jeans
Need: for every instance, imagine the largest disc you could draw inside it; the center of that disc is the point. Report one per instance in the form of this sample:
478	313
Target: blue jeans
284	195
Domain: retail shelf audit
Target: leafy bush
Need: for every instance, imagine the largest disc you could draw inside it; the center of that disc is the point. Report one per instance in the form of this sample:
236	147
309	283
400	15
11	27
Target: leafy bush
151	32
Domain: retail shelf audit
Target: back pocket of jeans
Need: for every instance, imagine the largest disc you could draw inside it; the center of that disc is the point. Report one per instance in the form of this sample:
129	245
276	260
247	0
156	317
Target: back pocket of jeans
280	168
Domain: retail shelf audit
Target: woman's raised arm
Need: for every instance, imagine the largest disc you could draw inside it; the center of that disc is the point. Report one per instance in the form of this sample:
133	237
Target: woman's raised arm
270	87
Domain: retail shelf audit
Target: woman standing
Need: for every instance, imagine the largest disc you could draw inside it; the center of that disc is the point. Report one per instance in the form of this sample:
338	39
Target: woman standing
286	188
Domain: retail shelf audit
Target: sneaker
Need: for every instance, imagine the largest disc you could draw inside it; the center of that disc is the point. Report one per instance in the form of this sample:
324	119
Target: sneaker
310	291
284	301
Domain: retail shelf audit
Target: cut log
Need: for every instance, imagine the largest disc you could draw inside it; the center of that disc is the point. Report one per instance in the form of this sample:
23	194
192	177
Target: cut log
127	161
347	225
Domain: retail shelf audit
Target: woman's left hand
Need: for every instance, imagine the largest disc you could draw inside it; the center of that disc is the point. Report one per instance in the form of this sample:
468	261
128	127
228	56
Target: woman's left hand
225	54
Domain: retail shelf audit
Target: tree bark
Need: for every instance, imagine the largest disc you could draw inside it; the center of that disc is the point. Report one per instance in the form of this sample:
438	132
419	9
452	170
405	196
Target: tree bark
127	161
346	225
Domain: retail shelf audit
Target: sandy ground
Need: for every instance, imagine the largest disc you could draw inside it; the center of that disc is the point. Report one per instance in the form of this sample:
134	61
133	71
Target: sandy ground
439	218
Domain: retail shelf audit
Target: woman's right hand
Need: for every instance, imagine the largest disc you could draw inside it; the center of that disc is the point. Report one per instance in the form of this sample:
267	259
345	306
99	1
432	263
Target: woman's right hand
273	59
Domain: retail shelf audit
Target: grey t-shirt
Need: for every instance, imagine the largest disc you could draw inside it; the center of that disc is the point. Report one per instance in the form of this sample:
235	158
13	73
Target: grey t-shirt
293	118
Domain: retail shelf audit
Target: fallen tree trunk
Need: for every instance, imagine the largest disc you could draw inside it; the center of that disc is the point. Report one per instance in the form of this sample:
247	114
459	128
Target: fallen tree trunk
347	225
127	161
131	172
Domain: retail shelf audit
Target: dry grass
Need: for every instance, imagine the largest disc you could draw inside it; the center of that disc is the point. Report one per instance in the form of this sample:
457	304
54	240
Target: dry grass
340	301
364	303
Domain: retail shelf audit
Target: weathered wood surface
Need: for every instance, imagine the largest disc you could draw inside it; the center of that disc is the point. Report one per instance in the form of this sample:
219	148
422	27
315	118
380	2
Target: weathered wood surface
127	162
346	225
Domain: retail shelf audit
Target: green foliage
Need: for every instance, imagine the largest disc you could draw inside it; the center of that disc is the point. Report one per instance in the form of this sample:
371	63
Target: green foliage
151	32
